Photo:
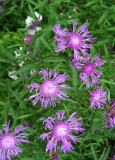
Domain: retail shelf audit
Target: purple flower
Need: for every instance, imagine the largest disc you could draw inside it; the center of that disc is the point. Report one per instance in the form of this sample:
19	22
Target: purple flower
49	90
35	24
27	39
98	97
74	40
110	115
10	142
114	157
61	132
54	156
59	33
89	69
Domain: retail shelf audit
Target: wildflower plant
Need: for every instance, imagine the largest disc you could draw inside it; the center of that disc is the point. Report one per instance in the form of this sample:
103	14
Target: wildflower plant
29	50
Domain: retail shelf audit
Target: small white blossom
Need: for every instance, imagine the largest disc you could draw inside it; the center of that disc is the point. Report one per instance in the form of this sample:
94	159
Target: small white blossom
32	32
38	28
21	64
29	21
16	53
12	76
38	16
32	71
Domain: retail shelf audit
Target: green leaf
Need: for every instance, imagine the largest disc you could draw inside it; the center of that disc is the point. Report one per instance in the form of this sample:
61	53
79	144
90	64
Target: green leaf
25	116
102	155
74	76
106	154
108	94
90	3
103	17
53	59
31	10
106	81
106	52
3	60
46	44
111	29
22	105
93	152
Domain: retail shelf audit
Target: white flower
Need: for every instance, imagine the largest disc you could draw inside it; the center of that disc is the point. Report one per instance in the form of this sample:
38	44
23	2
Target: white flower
21	63
17	54
29	21
14	76
32	71
38	28
32	32
38	16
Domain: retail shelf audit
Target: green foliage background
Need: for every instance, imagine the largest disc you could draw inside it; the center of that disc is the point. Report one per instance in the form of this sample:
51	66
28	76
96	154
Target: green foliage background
97	141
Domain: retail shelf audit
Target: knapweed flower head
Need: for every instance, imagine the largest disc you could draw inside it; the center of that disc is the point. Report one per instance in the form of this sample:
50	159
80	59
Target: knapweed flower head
98	97
60	132
32	24
50	88
110	115
74	40
10	141
89	75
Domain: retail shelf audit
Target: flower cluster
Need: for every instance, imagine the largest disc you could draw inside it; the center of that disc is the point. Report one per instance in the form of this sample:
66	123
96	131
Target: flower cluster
50	88
61	132
32	24
81	59
10	142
